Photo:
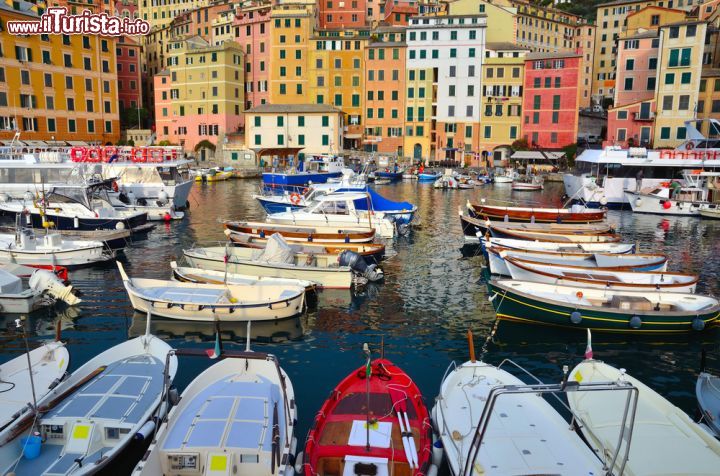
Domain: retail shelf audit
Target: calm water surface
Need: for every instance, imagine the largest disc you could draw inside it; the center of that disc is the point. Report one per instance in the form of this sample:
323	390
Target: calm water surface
430	297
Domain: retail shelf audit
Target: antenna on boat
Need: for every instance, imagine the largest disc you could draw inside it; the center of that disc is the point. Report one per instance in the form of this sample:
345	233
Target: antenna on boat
368	373
471	346
19	325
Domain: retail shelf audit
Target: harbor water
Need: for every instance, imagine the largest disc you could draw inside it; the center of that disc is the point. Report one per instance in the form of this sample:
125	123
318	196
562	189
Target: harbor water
432	294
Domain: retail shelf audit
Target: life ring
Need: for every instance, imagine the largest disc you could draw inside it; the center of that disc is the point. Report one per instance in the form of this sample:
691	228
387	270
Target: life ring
139	155
95	154
689	146
109	152
78	154
295	198
155	155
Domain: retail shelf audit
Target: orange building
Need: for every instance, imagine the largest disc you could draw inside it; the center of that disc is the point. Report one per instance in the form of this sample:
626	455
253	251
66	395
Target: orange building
385	100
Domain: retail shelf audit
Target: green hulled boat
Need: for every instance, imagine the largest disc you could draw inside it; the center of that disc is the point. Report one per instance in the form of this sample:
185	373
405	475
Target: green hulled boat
601	309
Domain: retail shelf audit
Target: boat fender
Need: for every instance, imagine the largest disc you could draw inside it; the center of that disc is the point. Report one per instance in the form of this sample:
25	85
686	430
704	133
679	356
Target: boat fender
262	233
145	431
638	202
603	201
576	317
437	453
698	324
173	396
635	322
432	470
76	222
299	463
120	225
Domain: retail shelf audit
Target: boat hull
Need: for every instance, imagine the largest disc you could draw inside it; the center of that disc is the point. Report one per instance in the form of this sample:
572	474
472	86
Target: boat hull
645	203
382	226
546	215
88	224
392	176
712	213
338	278
299	179
67	258
521	307
276	206
302	234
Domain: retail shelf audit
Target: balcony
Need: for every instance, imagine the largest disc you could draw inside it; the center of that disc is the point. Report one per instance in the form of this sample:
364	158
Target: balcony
643	117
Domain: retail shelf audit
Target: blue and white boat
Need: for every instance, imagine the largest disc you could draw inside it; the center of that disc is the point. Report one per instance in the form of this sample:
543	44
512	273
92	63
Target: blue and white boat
387	174
90	417
428	177
401	212
317	169
240	413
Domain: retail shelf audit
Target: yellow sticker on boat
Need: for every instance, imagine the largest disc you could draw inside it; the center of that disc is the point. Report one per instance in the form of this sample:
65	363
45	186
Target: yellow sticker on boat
81	432
578	377
218	463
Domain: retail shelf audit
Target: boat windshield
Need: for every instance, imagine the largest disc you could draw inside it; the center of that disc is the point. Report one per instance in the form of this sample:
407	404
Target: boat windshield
14	175
615	170
69	195
332	207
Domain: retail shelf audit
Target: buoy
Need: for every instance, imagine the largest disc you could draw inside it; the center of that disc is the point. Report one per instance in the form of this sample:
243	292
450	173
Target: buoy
576	317
635	322
579	294
162	196
167	216
698	324
120	226
667	204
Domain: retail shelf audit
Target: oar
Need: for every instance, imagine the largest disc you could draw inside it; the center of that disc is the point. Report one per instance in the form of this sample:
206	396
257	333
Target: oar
405	430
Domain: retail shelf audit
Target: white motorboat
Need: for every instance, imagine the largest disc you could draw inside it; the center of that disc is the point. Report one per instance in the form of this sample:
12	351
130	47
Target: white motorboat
43	288
492	423
447	181
707	391
568	275
561	247
710	211
601	176
85	206
619	262
239	413
50	249
674	198
275	261
211	302
145	175
527	183
91	416
664	439
48	362
188	274
504	175
338	211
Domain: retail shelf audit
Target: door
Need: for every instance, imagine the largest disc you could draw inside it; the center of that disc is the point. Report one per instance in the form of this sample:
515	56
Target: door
417	151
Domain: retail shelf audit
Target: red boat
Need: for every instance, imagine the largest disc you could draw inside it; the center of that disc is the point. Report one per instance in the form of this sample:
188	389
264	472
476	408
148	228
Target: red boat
538	215
400	431
22	271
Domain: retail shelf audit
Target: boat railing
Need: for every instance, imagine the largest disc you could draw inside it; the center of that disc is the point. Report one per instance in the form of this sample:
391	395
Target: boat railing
624	436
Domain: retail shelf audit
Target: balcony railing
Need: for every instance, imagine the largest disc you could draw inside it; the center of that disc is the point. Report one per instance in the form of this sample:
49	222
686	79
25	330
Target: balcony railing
639	116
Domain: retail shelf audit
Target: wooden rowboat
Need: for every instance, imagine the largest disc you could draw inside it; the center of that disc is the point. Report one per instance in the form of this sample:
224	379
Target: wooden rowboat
559	247
400	433
473	226
664	439
548	215
576	237
318	234
602	309
567	275
372	252
603	261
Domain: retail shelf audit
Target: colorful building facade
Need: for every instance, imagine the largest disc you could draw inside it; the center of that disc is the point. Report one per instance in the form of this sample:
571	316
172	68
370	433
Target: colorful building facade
129	76
550	99
340	14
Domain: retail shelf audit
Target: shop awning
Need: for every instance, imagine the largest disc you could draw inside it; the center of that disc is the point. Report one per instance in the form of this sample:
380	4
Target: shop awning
536	155
281	151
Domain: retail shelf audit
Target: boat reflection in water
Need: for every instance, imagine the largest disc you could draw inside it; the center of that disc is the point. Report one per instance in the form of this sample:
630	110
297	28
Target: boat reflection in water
40	324
281	330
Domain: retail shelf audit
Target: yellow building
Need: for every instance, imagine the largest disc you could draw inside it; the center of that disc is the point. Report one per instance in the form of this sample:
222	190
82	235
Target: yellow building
501	17
501	100
708	105
336	67
651	18
678	83
160	13
200	95
419	133
55	86
291	26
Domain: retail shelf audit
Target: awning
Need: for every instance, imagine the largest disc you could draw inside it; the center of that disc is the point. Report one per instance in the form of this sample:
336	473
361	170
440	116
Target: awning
352	136
536	155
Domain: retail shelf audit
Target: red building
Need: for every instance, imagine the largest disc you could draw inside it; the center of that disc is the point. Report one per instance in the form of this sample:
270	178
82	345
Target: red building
551	99
127	52
399	12
252	29
342	13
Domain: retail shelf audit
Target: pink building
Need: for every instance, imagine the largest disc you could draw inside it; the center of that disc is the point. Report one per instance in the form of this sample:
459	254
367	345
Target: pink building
342	13
127	9
551	99
252	29
127	52
631	118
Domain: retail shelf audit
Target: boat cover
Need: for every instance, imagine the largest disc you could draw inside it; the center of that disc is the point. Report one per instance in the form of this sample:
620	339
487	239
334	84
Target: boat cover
379	203
9	283
277	250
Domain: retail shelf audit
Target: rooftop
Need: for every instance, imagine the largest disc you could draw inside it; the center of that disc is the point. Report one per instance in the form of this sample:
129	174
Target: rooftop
504	46
561	54
287	108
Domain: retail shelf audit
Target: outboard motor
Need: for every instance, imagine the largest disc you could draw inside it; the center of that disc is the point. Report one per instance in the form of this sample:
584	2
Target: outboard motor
357	263
45	281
